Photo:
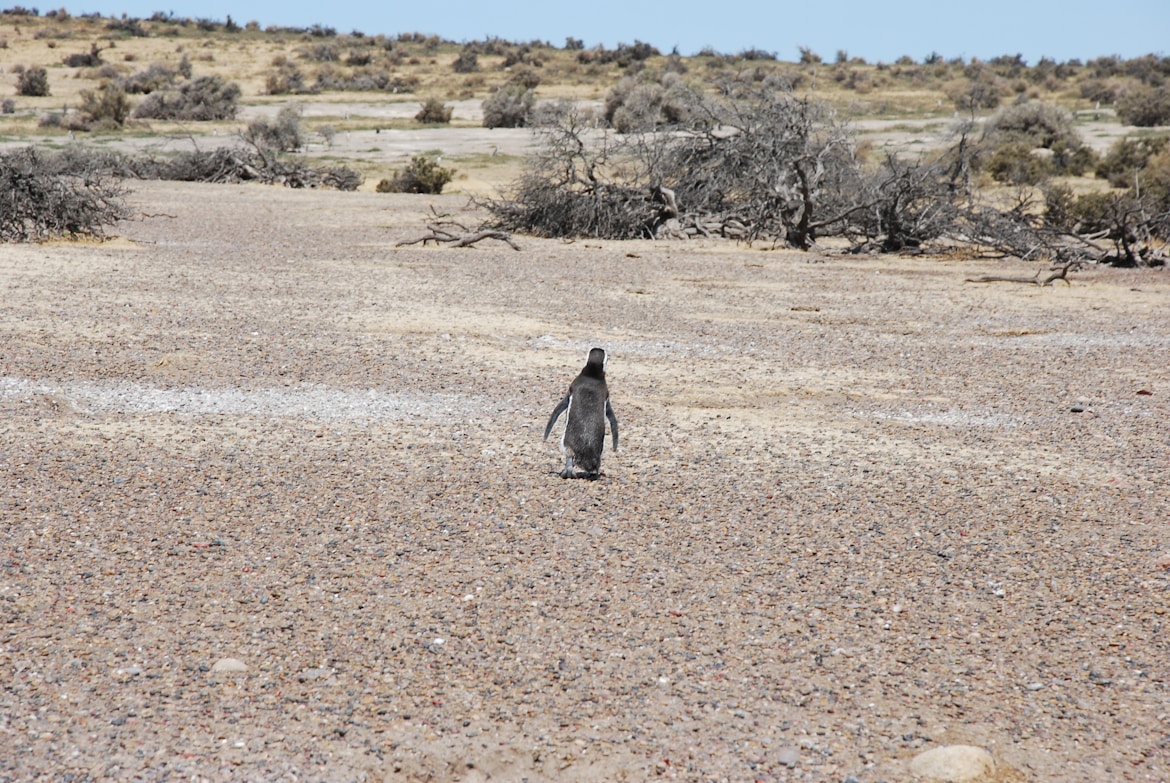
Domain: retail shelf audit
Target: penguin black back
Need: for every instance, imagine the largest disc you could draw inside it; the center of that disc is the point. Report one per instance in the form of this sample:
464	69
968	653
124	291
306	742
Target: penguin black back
588	407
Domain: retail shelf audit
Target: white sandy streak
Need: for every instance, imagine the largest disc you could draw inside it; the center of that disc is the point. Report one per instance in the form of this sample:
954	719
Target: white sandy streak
312	402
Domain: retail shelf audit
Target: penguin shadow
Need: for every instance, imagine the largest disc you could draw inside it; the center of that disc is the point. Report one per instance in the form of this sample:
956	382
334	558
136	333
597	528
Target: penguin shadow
577	474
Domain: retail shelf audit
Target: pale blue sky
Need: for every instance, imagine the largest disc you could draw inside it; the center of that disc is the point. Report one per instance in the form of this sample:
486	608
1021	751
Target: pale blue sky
877	31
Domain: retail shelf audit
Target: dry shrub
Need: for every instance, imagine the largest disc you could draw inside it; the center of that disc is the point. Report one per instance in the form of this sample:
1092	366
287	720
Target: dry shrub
286	79
33	82
282	135
434	111
467	61
1030	141
1127	159
508	107
106	107
41	202
153	78
1145	107
202	99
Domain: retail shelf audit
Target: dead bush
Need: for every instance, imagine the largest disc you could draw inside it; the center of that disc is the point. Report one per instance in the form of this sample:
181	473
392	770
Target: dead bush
765	165
90	59
38	202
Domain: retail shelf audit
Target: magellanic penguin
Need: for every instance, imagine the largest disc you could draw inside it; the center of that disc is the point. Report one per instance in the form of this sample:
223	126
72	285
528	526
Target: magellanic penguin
587	406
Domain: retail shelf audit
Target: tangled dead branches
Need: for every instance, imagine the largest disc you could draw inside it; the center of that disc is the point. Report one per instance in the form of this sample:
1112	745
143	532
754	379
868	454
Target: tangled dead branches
767	165
38	202
222	165
452	234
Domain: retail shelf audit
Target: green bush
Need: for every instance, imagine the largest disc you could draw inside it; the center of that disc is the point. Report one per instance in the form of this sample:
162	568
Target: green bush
33	82
1018	163
107	106
1127	157
1145	107
433	111
1029	141
423	175
508	107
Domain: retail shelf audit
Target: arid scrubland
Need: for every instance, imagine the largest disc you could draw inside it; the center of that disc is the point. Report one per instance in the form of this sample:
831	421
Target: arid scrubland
274	503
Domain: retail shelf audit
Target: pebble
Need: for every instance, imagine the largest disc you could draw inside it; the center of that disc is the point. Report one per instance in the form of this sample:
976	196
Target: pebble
229	665
789	757
953	763
313	674
1164	561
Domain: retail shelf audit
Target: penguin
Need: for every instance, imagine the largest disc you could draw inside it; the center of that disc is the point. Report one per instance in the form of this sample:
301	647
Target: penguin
586	407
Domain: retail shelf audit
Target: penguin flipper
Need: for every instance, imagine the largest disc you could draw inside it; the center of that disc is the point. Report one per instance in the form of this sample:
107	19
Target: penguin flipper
562	406
613	428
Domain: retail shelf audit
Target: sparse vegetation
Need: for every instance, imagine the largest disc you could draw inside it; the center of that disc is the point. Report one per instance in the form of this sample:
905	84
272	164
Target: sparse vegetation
1030	144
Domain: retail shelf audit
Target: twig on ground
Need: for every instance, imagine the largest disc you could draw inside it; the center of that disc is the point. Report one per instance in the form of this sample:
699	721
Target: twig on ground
444	236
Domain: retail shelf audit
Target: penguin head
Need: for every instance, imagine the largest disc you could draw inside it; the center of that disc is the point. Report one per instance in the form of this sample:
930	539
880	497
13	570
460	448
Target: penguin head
595	365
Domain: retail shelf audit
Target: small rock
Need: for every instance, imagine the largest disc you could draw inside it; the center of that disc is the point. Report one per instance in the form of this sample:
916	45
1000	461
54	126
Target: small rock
789	757
1077	409
953	763
313	674
229	665
1164	561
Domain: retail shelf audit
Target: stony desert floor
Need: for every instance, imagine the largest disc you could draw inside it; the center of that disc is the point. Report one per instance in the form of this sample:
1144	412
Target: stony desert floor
861	508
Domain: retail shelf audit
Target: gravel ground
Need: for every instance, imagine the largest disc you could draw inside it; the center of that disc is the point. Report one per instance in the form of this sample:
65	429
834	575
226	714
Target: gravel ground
861	509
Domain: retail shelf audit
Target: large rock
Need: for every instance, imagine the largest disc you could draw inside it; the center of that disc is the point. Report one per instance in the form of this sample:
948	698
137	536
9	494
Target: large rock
229	665
953	763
